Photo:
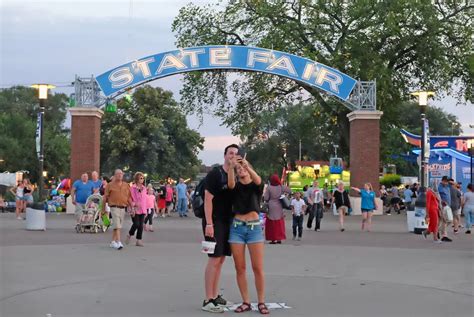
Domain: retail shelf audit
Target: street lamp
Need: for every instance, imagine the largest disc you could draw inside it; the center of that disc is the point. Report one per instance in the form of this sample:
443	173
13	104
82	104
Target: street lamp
420	203
42	95
145	177
423	103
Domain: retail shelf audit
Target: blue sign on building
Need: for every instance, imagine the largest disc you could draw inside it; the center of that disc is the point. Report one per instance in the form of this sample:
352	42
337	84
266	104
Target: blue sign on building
126	76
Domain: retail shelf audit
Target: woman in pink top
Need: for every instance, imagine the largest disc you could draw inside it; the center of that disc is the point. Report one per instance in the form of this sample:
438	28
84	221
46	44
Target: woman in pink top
139	208
150	208
169	198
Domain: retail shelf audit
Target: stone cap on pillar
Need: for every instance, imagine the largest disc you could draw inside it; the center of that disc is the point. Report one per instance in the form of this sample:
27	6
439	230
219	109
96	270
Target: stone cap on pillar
364	115
86	112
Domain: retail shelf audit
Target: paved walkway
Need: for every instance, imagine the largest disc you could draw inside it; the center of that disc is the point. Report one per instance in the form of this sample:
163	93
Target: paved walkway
387	272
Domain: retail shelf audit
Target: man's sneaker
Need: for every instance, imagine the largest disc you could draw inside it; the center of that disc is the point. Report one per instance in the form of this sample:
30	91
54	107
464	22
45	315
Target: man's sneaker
221	301
119	245
446	239
113	244
298	239
211	307
468	231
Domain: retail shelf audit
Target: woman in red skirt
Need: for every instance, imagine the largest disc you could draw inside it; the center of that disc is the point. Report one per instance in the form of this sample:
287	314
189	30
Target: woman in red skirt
275	223
432	214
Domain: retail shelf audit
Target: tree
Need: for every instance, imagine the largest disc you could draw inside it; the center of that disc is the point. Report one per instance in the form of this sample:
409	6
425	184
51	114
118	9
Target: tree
402	44
18	114
149	133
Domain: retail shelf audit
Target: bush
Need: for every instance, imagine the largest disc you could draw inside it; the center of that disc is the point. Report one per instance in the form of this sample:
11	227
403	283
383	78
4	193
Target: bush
390	179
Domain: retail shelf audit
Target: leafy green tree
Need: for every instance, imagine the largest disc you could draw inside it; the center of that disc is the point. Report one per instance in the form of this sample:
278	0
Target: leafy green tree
149	133
18	114
402	44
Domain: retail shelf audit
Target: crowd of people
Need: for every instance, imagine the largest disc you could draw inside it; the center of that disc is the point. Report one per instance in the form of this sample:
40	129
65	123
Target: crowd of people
235	197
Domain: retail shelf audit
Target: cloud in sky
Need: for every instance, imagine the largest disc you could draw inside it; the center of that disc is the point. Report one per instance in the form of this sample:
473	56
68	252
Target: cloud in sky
51	41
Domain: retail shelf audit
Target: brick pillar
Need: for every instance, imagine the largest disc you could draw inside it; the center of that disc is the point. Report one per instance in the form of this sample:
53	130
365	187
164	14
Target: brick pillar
365	147
85	141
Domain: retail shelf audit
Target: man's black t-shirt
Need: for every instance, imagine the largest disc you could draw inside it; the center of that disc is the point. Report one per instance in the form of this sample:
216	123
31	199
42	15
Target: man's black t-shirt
246	198
216	184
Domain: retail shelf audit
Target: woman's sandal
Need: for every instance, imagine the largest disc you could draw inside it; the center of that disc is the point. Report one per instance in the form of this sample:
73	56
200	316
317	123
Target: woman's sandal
263	309
243	308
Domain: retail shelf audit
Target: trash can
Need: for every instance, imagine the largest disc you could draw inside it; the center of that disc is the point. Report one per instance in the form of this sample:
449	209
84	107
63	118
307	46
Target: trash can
35	217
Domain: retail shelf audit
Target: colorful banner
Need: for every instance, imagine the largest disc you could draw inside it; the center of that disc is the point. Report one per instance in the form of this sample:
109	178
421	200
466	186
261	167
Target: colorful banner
458	143
229	57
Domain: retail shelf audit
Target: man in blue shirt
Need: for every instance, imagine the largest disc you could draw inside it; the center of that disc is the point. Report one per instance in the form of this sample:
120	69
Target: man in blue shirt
81	190
407	194
96	182
445	191
182	198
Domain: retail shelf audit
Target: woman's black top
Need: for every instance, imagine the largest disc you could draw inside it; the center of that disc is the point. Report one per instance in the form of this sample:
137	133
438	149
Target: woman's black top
26	190
246	198
341	199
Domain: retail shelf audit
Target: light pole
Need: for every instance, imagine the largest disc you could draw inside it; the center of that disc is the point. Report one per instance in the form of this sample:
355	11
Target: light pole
420	202
42	95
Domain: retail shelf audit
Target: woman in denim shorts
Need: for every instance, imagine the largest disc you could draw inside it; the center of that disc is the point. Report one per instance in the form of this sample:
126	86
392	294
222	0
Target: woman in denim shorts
247	230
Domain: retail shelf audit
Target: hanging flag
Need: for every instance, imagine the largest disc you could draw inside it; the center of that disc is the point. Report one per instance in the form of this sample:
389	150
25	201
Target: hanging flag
38	135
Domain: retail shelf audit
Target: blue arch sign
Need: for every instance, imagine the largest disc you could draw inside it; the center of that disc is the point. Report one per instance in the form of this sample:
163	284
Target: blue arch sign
244	58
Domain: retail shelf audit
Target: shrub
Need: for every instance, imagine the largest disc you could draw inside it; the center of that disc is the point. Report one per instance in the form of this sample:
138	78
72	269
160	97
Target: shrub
390	179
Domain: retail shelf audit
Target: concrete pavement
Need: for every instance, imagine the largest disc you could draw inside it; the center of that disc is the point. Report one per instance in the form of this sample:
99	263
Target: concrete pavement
387	272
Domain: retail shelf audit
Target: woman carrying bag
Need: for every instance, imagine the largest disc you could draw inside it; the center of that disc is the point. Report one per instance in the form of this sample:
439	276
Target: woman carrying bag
275	223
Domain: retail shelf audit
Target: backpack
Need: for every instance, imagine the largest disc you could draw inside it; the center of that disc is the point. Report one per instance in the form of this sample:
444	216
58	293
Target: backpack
197	199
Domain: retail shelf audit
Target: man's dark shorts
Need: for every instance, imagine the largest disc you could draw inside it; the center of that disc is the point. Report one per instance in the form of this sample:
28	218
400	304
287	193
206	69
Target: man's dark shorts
221	237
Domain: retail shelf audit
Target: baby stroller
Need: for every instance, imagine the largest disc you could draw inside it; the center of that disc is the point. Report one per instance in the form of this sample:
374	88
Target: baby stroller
91	218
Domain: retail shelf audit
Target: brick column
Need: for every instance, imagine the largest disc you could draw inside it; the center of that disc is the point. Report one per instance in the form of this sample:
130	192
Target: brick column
365	147
85	141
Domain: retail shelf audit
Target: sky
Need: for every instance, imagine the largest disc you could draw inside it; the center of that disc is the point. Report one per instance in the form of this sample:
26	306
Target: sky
52	41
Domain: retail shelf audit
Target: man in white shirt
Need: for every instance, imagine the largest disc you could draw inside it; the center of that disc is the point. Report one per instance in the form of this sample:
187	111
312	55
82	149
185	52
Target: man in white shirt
298	207
316	210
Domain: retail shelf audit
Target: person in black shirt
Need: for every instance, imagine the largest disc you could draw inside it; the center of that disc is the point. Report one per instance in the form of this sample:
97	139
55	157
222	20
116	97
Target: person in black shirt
341	199
216	227
247	230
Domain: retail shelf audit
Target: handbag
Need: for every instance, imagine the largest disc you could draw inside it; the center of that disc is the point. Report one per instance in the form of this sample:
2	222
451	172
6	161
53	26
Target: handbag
448	214
285	202
265	209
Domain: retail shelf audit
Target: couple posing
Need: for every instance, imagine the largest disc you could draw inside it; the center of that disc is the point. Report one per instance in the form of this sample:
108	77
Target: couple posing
232	220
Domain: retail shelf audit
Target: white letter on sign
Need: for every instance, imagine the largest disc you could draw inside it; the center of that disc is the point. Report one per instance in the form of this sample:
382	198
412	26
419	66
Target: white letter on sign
283	63
322	75
193	56
170	61
257	56
219	57
143	66
121	77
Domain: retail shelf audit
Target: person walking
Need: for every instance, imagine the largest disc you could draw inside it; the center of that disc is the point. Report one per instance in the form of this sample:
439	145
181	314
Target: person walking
433	213
468	207
216	228
81	190
275	222
161	193
169	198
368	204
139	208
96	182
118	197
444	192
340	197
19	202
298	207
408	198
246	230
316	209
456	195
182	198
151	208
27	193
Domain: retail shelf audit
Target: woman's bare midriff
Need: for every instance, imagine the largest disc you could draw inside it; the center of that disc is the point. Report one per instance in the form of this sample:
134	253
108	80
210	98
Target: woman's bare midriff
253	215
